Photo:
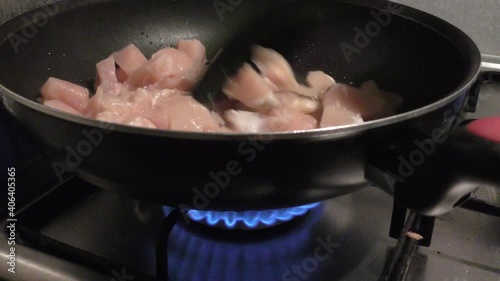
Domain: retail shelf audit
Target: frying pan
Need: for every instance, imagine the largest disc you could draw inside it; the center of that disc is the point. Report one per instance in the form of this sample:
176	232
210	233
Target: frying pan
415	155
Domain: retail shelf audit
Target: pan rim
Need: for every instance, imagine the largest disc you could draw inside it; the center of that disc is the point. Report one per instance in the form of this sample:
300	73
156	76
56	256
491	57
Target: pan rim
472	53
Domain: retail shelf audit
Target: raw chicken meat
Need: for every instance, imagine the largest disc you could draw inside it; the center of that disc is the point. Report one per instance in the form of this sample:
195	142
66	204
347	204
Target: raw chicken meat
319	81
279	74
369	102
134	91
71	94
297	102
61	106
275	68
250	88
129	59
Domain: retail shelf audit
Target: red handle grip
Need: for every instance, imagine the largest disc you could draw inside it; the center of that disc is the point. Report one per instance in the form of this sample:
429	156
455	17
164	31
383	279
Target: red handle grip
487	128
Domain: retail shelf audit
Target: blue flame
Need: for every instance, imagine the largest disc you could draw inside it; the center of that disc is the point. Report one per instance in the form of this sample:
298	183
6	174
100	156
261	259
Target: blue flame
249	219
193	256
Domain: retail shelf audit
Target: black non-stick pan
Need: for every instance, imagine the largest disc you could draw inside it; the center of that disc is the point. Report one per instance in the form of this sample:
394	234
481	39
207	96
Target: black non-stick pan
430	63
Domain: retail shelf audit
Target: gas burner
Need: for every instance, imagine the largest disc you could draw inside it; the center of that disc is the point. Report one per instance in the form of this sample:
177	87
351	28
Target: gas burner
247	220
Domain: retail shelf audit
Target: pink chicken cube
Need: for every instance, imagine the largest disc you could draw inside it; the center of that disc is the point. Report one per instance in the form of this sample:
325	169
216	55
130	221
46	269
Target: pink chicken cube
303	104
284	120
71	94
130	59
181	83
246	121
140	121
369	101
319	81
103	101
336	112
384	103
194	49
277	120
94	104
159	117
275	68
142	100
337	116
170	63
186	114
279	72
110	117
251	89
61	106
106	72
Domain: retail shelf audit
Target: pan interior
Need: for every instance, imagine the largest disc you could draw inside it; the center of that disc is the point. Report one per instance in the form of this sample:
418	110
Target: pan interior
402	55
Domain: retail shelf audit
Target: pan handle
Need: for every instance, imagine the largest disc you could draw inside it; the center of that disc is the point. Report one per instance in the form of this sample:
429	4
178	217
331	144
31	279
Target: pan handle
437	174
434	175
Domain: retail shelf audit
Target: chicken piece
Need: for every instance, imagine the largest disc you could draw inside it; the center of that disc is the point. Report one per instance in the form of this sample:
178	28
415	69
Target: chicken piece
108	101
143	99
181	83
319	81
61	106
295	102
153	105
130	59
168	63
194	49
251	89
159	117
140	121
275	68
336	115
110	117
186	114
336	112
368	101
279	72
71	94
246	121
106	72
277	120
94	105
385	103
284	120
